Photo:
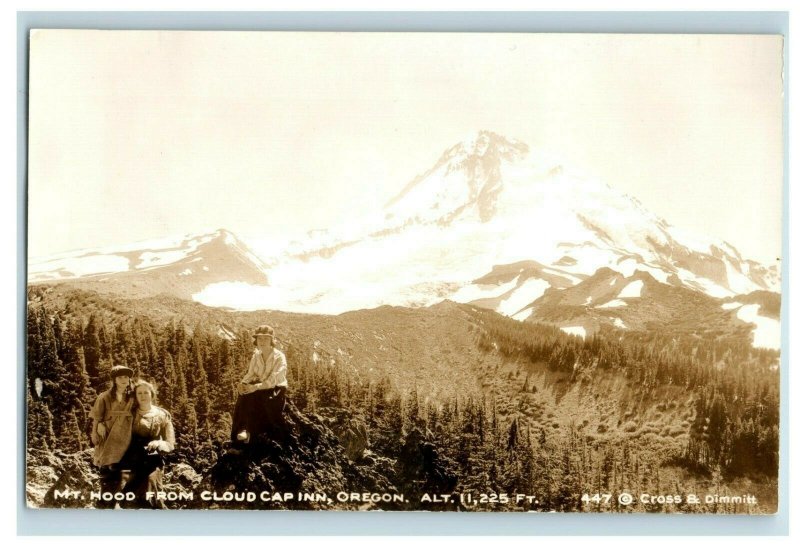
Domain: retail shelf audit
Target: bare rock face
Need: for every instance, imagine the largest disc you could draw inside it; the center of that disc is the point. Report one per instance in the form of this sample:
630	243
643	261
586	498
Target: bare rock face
38	479
74	475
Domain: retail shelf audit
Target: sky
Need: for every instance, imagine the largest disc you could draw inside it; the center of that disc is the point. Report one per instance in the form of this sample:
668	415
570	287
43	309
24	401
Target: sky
141	135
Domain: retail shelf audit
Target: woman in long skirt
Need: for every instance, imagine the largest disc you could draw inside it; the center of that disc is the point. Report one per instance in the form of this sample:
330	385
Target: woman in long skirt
111	430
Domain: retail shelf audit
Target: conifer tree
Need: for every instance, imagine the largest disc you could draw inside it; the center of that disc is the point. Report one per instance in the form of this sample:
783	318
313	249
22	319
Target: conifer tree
50	367
40	425
201	401
106	343
75	384
92	353
34	351
180	400
166	378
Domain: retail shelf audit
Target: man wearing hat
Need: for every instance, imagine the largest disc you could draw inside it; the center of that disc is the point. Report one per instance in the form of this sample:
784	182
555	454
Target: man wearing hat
262	391
112	421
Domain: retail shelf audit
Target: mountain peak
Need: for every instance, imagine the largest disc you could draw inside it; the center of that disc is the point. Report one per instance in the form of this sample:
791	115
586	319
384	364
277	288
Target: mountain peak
223	234
229	239
466	179
488	144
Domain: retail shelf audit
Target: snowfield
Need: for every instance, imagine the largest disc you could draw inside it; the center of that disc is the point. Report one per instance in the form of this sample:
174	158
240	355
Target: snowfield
475	291
616	303
523	315
632	290
577	331
70	267
767	333
141	255
526	293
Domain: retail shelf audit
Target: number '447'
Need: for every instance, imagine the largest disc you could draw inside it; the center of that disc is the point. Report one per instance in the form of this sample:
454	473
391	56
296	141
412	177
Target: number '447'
596	498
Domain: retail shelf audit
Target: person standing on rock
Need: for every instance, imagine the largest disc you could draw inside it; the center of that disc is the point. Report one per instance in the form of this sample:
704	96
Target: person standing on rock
153	435
111	429
262	391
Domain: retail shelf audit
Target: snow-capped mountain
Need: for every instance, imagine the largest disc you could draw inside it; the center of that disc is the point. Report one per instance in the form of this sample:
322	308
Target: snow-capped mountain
179	266
493	222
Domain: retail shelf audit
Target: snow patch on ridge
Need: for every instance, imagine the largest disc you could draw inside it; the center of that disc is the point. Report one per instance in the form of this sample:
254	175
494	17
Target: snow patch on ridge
150	259
523	315
616	303
767	333
526	293
737	282
703	284
476	291
571	278
85	265
577	331
632	290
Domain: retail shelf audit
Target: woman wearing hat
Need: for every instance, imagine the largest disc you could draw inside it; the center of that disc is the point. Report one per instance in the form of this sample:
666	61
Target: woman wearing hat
111	427
262	391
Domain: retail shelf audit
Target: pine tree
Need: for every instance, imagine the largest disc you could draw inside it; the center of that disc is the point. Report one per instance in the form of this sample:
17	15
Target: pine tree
180	398
512	436
106	343
40	425
92	353
75	384
50	368
201	400
165	378
34	352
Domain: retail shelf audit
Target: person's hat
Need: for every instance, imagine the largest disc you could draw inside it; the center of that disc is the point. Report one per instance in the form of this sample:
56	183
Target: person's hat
263	329
121	370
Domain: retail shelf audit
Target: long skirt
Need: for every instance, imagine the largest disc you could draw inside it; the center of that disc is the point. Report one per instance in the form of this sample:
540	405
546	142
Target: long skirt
146	475
110	481
259	412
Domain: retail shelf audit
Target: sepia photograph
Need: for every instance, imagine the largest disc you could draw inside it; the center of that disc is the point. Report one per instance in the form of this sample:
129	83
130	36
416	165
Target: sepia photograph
365	271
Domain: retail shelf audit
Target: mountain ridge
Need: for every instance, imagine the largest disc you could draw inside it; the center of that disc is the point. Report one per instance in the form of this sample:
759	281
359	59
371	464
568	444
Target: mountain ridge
487	204
178	266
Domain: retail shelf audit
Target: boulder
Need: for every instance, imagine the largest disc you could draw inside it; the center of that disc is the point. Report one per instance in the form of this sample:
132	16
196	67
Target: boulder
76	475
185	475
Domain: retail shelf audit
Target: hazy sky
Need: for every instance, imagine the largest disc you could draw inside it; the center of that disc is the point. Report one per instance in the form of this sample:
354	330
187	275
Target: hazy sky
137	135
